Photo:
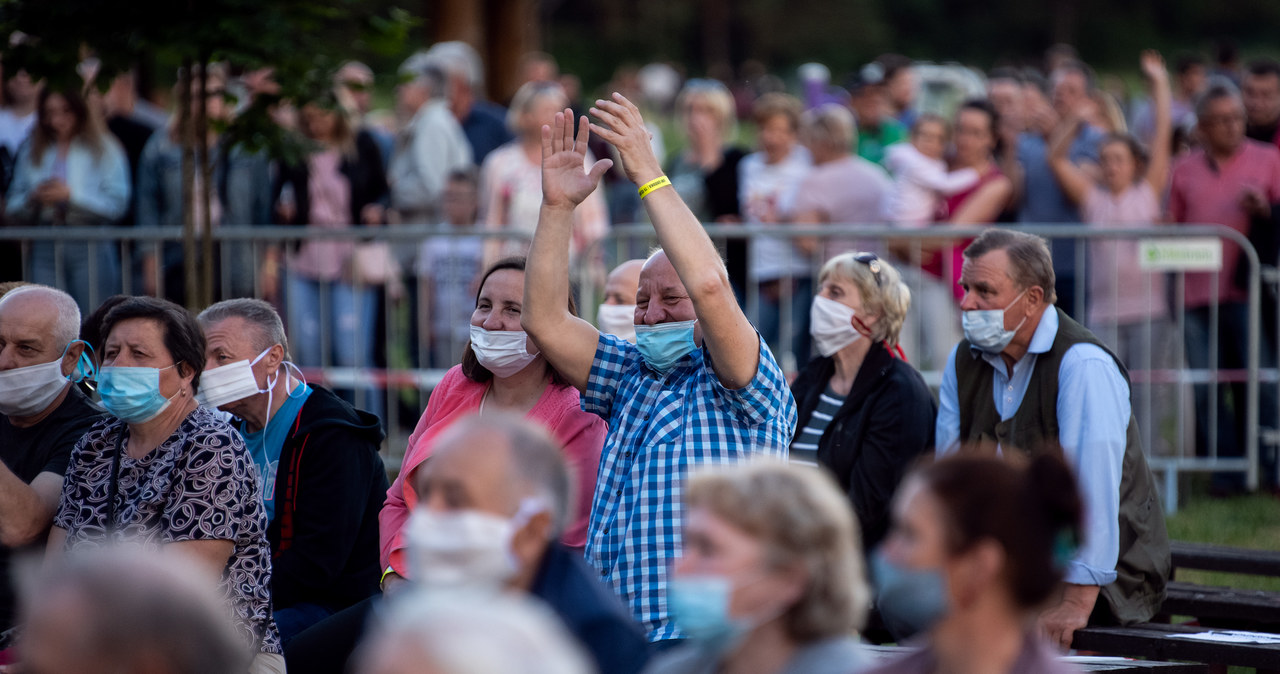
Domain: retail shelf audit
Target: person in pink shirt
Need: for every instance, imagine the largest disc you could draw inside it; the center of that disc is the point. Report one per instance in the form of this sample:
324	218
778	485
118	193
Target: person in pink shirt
1230	181
501	370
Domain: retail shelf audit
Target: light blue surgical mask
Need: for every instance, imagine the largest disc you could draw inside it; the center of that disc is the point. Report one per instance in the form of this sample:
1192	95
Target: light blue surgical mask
985	328
699	606
132	394
664	344
909	600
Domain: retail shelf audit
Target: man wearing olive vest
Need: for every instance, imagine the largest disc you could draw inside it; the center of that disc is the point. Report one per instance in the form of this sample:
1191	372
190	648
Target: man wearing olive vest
1028	378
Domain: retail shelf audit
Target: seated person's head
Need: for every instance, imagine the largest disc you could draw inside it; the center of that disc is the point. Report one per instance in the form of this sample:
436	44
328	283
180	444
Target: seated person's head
492	497
39	349
974	533
145	332
859	295
617	313
498	347
421	634
242	329
461	199
776	547
125	610
930	134
1007	273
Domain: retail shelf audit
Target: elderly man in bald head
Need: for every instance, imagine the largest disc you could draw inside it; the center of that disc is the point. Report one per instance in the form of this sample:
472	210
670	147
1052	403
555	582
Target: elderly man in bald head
42	415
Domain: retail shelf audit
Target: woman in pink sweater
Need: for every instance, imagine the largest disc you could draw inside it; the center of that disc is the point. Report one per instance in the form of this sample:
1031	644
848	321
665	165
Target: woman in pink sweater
499	370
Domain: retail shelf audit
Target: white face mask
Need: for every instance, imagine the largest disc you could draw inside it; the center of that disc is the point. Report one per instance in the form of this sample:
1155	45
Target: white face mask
28	391
501	352
617	319
831	325
231	382
463	549
985	328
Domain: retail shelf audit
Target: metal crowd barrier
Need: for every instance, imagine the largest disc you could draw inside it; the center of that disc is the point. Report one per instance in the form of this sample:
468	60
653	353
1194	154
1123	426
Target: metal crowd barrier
406	372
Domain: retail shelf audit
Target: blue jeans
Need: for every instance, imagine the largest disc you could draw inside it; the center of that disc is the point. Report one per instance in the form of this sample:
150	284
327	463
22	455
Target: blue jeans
770	319
1233	335
66	265
333	323
294	619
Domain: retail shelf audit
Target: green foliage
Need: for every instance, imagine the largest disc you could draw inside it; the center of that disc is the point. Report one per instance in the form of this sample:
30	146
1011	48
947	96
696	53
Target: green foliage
1245	521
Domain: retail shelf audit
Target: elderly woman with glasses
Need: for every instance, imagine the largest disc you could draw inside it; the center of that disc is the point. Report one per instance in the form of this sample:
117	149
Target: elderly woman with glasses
864	413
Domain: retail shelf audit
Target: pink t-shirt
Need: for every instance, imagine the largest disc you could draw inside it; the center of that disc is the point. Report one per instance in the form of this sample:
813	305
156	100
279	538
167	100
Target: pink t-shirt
582	435
1206	192
849	190
329	195
1119	291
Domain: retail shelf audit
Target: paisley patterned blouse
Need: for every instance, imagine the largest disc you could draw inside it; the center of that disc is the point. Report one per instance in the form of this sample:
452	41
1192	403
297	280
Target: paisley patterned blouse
200	484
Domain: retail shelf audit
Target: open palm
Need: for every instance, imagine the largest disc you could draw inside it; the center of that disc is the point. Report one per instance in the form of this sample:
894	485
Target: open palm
565	180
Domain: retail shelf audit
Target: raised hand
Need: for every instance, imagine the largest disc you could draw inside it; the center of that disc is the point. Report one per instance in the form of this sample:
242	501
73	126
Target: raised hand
1153	66
622	125
565	181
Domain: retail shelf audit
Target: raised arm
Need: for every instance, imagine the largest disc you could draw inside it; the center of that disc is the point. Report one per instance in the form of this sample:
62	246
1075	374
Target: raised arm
1074	181
1162	101
568	342
732	342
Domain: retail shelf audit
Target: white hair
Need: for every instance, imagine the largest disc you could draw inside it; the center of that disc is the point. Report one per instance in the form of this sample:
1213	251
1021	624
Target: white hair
458	58
67	326
477	635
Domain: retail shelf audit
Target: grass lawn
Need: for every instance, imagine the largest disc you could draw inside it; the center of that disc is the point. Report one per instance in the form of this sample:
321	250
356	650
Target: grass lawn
1245	521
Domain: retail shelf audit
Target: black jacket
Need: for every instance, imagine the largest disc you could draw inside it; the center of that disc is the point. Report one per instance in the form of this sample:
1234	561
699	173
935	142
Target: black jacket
886	421
329	488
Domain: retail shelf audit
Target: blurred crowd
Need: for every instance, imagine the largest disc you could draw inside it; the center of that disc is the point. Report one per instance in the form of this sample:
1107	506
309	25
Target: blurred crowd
677	484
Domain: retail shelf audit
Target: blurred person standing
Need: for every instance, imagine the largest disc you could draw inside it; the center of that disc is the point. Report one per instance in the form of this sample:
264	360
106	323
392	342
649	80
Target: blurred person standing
17	120
447	270
877	128
617	313
353	83
331	294
1261	89
511	179
1042	201
1189	82
429	146
706	173
73	173
921	179
767	184
1128	307
42	416
1231	181
864	413
975	551
1028	379
483	123
770	579
900	88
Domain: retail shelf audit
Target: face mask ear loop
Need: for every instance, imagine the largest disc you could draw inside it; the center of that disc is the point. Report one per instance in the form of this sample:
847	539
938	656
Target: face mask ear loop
301	378
86	365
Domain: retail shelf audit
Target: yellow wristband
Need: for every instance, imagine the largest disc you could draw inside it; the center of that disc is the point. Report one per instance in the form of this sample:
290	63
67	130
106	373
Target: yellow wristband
660	181
390	570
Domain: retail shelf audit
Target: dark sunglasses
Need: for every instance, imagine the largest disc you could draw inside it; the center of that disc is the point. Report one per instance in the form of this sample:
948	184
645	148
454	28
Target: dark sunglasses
873	263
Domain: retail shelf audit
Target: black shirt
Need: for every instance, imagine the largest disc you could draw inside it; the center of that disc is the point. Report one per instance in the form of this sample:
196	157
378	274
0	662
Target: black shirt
42	448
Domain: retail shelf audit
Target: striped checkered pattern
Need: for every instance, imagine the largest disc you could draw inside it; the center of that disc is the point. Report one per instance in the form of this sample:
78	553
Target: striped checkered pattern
660	427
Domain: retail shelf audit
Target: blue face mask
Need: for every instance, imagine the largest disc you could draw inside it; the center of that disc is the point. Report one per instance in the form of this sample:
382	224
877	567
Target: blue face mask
699	606
132	394
909	600
664	344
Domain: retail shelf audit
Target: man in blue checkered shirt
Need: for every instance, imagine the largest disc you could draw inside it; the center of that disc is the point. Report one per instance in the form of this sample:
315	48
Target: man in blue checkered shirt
698	387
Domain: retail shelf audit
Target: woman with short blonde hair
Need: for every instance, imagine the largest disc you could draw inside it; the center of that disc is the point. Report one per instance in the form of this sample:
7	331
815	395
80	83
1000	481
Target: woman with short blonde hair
864	413
771	578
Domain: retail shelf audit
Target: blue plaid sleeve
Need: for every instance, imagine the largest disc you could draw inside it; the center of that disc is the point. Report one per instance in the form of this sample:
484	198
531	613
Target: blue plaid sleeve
765	397
614	358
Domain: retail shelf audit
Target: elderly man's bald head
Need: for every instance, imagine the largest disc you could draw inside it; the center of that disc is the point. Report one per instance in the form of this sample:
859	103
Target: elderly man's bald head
621	284
48	304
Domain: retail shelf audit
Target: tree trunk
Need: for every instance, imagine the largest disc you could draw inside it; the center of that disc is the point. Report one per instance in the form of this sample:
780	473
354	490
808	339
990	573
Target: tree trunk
514	29
206	187
190	261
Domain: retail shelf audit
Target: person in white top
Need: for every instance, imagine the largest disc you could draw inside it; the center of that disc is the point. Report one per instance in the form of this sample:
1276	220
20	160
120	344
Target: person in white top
920	173
428	148
19	113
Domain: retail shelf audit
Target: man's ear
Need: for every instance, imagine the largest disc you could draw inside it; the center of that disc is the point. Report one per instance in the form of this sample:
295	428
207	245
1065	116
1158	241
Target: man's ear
72	358
1036	296
530	541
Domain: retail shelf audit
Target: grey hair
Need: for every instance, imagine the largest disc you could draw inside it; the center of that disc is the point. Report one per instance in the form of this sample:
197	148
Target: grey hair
526	96
1030	262
1218	88
263	316
67	326
426	72
503	633
458	58
154	608
886	296
831	125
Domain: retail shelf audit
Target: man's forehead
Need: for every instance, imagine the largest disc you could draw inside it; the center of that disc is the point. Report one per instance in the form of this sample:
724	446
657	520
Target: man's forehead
992	268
